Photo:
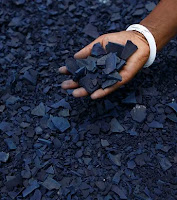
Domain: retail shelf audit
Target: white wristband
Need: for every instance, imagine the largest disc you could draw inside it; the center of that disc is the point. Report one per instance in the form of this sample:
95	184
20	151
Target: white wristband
149	37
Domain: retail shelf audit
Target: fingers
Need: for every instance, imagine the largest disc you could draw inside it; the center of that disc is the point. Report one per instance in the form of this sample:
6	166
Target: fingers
86	51
63	70
80	92
69	84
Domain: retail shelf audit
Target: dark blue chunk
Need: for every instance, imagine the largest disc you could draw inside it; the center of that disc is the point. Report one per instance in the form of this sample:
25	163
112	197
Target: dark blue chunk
71	65
128	50
61	123
114	48
97	50
110	63
79	74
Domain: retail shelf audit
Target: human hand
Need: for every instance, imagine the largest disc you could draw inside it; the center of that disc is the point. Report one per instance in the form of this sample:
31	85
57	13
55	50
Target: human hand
133	64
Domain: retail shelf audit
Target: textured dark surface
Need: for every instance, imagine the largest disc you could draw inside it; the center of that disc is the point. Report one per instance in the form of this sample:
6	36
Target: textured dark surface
103	152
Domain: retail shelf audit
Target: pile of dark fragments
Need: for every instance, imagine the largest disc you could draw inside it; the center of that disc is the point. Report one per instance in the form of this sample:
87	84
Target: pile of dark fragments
57	147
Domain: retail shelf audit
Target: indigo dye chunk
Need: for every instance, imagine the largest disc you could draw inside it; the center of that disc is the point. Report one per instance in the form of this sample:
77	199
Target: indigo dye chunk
128	50
88	84
115	159
120	65
110	63
60	123
79	74
97	50
114	48
71	65
102	60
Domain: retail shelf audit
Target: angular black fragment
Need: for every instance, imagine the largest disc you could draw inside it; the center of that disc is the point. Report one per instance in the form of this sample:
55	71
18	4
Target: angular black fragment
91	67
61	123
89	84
131	99
37	195
120	65
97	50
110	63
4	157
91	31
116	177
102	60
71	65
155	124
34	185
51	184
14	182
165	163
114	48
119	192
10	144
19	2
39	110
128	50
116	127
111	79
115	159
62	103
79	74
173	105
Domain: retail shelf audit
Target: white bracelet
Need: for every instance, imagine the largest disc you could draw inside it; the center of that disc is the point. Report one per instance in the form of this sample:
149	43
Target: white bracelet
149	37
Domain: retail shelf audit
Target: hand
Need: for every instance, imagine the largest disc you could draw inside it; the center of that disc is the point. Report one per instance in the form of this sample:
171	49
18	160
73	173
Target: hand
134	63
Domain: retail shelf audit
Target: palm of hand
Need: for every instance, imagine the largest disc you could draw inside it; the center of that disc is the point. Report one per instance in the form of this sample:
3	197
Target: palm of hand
133	65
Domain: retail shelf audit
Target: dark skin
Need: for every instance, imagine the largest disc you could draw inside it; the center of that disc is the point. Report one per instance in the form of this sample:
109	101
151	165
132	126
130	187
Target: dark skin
161	22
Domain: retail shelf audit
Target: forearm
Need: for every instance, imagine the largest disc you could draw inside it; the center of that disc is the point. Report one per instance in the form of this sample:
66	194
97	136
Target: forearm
162	22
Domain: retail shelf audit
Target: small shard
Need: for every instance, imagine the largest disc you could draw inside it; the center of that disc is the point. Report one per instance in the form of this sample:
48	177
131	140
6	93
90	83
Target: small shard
87	83
102	60
39	110
128	50
115	159
51	184
44	141
61	123
71	65
97	50
12	100
10	144
91	31
116	178
119	192
104	143
155	124
173	105
100	185
130	99
79	74
114	48
116	126
62	103
110	63
34	185
4	157
120	65
165	163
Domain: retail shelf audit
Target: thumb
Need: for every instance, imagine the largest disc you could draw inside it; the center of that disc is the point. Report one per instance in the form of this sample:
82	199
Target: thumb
86	51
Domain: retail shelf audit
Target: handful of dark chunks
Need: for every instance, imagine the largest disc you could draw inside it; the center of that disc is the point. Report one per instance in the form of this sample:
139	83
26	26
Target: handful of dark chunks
101	69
